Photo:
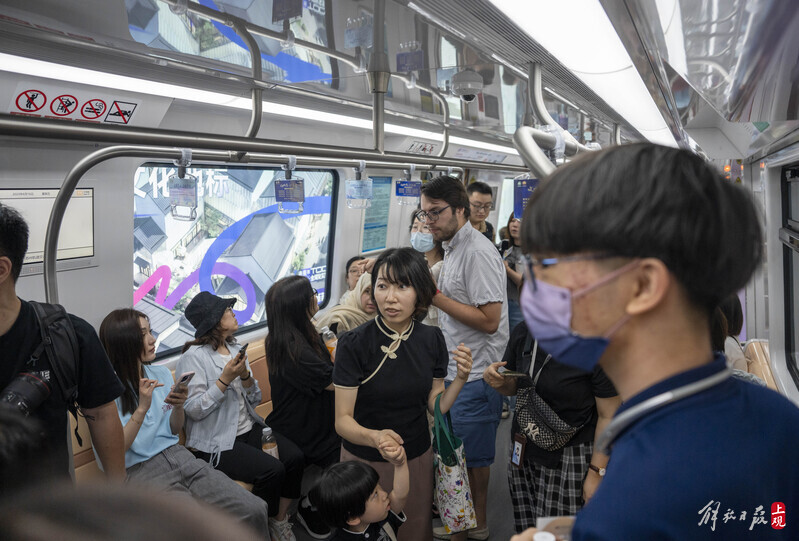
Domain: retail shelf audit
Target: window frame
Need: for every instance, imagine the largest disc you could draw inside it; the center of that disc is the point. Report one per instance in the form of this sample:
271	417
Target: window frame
336	179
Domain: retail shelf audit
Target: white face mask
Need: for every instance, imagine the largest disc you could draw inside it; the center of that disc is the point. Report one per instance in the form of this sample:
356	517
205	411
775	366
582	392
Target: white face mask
422	242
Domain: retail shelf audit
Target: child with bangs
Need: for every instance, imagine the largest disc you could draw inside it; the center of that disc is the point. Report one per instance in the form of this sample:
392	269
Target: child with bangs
387	375
352	501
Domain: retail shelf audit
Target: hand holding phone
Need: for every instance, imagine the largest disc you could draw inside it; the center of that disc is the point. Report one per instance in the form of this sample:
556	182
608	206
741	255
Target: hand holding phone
184	380
513	374
241	357
180	388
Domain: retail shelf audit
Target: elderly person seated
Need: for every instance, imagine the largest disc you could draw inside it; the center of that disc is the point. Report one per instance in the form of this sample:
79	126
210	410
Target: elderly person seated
355	309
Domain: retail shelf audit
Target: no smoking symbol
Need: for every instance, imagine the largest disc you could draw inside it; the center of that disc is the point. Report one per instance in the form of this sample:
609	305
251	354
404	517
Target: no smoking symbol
64	105
93	109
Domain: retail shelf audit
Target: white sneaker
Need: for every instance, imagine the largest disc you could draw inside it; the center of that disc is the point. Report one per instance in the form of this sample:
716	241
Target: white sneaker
280	530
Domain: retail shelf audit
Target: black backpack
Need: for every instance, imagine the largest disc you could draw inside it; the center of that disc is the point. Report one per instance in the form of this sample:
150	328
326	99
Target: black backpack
60	343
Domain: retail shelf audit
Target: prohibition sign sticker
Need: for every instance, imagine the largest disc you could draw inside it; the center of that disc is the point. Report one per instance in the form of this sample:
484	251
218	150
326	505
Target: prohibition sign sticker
31	101
93	109
64	105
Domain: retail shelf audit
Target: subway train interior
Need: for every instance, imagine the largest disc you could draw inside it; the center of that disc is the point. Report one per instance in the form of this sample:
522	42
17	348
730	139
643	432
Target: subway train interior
159	148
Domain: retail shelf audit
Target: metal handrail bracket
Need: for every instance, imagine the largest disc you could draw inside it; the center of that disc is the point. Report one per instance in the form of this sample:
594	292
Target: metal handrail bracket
527	141
535	89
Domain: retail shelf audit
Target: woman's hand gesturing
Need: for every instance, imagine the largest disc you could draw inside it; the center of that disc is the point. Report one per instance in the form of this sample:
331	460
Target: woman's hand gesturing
146	388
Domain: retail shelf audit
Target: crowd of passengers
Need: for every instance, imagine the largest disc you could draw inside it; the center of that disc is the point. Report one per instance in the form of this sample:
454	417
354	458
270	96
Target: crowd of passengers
613	291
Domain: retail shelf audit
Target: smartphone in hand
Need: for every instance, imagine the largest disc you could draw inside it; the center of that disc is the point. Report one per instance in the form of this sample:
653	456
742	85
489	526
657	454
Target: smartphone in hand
512	374
243	350
184	379
181	384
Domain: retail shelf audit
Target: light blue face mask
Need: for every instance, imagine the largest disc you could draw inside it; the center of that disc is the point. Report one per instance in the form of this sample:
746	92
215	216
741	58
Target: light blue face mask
422	242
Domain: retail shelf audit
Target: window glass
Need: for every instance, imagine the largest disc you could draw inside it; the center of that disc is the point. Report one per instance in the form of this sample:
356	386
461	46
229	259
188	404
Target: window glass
155	25
793	201
790	240
514	94
505	203
222	233
792	306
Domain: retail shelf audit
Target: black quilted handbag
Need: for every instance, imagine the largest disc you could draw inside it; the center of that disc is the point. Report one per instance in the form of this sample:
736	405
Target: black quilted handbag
538	421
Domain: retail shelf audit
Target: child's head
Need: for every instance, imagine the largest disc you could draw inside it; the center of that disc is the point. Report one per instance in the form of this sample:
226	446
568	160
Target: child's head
347	495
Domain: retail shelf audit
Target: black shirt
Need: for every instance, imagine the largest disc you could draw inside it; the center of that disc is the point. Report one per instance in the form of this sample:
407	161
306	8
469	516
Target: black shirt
376	531
303	410
569	391
396	396
97	381
489	232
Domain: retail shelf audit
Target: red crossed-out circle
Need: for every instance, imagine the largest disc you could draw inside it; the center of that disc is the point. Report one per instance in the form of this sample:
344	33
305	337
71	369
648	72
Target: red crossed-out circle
93	109
31	97
69	103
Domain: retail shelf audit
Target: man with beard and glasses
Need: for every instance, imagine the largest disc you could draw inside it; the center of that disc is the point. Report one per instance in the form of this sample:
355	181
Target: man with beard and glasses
473	310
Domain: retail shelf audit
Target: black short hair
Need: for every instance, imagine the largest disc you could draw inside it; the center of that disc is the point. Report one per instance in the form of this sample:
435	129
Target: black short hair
479	187
13	238
645	200
342	491
450	190
409	267
733	311
352	260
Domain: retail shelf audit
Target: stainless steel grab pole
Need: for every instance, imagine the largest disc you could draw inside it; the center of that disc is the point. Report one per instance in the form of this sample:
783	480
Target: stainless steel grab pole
535	89
525	139
58	129
68	187
76	173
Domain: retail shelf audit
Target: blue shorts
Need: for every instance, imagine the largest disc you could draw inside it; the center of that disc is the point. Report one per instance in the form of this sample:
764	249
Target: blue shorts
475	418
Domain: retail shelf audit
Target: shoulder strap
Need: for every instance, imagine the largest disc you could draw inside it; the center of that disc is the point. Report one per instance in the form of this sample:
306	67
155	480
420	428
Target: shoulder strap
61	346
532	363
389	529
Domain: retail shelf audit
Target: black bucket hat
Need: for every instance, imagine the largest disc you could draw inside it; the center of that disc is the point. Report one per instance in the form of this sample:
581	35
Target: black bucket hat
206	310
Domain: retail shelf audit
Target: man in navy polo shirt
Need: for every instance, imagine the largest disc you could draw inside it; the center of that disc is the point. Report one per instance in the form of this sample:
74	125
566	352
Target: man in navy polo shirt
630	250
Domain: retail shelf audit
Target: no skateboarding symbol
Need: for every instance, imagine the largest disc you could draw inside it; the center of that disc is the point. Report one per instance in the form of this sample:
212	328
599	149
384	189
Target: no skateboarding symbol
93	109
31	101
64	105
120	112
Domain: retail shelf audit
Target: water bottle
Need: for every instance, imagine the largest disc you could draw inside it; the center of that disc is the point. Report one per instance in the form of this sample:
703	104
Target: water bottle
329	339
269	443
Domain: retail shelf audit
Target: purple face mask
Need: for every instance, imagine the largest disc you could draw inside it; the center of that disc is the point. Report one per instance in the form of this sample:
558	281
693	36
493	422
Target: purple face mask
548	313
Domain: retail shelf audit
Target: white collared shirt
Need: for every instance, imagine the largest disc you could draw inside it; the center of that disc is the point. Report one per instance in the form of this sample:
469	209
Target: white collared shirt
473	273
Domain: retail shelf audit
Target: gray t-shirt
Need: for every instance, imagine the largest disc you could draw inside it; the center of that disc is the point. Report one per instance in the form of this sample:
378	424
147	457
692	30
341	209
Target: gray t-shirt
473	273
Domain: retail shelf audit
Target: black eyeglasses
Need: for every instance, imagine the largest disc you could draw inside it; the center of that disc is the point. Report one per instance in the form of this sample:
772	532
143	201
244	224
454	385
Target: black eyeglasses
315	292
488	207
430	216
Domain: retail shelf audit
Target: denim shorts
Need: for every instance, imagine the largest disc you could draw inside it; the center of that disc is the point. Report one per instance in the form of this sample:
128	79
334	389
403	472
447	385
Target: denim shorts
475	418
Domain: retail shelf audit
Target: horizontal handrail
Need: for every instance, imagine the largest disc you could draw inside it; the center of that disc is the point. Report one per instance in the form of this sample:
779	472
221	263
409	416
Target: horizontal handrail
76	173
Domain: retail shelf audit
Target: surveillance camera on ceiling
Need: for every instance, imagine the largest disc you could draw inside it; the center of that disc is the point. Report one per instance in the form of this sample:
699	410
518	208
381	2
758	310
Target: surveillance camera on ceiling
467	84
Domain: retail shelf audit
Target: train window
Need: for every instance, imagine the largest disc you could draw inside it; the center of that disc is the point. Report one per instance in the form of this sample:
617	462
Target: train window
219	229
514	94
789	235
156	25
505	203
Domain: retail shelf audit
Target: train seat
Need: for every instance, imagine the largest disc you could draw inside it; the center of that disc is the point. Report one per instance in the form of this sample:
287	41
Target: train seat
758	361
86	469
